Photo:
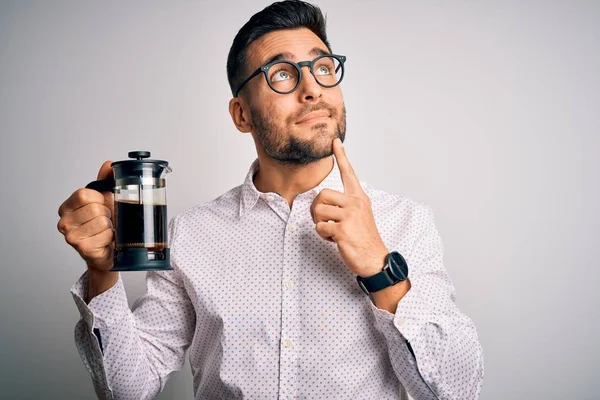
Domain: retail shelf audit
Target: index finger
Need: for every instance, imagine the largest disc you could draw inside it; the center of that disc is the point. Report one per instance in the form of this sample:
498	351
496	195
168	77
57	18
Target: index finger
349	178
80	198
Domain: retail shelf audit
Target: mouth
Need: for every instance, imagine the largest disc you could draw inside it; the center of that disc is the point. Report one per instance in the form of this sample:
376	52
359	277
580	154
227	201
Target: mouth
315	116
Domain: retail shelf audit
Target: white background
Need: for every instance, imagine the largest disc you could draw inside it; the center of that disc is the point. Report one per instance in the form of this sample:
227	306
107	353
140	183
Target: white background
486	111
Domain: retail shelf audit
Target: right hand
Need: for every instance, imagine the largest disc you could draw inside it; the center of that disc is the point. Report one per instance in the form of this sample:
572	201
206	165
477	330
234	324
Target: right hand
86	221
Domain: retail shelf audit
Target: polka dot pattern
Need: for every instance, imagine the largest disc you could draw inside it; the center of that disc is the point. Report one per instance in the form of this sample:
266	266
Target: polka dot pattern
267	309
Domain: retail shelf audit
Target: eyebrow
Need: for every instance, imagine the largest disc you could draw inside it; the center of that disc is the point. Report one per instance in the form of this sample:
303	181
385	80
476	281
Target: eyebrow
315	51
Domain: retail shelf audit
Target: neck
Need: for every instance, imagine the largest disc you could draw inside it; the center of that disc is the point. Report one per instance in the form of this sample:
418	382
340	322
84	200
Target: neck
290	180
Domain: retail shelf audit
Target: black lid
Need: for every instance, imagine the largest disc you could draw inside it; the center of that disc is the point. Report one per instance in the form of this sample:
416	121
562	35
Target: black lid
140	163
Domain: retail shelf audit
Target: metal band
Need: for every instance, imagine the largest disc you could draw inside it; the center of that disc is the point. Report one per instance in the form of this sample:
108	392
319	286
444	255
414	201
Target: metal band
144	180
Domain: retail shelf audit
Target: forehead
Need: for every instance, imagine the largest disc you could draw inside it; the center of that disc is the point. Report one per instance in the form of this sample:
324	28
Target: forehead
295	44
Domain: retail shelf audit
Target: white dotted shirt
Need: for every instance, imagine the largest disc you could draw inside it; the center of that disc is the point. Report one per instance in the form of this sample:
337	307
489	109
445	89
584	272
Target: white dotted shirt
268	310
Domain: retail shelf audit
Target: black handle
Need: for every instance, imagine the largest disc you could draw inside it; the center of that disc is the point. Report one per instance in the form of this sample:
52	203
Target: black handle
105	185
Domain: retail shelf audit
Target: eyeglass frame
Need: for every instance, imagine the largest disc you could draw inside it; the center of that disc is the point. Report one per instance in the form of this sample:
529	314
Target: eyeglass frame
265	70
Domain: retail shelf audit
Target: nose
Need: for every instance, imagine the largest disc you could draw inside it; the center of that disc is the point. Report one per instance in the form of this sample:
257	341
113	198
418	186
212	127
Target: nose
309	89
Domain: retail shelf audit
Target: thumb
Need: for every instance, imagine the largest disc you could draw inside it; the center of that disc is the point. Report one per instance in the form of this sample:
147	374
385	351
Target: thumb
106	172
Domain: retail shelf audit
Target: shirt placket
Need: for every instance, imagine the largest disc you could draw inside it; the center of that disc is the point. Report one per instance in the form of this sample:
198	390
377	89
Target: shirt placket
290	340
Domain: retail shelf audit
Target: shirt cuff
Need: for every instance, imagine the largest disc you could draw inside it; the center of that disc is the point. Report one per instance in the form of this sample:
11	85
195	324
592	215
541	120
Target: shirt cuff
410	317
106	309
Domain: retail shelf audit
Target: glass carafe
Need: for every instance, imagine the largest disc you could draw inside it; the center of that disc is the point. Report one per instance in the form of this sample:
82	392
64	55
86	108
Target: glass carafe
140	207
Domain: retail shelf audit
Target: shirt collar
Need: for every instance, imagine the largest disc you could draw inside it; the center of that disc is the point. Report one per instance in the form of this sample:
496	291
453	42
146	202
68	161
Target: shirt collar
250	194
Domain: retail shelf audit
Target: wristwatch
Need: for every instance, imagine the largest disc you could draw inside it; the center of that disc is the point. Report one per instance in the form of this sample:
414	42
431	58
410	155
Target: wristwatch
395	270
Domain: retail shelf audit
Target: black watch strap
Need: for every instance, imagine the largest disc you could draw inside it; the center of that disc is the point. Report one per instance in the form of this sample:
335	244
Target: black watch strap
376	282
395	270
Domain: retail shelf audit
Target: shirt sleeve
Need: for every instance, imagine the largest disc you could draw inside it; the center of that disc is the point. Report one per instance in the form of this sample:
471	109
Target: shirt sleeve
130	353
433	347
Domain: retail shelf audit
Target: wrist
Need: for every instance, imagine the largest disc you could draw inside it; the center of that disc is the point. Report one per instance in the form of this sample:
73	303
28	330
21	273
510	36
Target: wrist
388	298
101	277
376	266
394	271
99	282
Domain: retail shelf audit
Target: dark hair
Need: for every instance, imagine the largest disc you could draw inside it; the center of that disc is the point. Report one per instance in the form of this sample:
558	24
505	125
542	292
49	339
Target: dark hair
288	14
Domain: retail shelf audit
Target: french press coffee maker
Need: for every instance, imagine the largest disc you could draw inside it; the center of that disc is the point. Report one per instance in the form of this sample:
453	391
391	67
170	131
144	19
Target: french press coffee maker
140	218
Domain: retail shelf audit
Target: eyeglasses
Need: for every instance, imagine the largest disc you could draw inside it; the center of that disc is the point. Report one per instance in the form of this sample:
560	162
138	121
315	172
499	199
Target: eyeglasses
284	76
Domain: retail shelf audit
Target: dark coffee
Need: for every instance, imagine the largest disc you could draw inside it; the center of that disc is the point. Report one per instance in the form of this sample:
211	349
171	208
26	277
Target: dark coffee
140	225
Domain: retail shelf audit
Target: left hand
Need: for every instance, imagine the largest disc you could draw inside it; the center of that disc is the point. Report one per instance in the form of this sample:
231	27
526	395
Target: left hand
347	219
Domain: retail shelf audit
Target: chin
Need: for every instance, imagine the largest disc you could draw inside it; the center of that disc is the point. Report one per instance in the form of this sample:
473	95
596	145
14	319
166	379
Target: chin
318	129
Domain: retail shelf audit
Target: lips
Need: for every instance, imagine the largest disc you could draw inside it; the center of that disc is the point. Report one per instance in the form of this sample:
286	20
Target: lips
315	115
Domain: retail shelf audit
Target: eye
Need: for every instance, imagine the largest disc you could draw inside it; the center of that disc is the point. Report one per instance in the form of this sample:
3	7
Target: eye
281	75
323	70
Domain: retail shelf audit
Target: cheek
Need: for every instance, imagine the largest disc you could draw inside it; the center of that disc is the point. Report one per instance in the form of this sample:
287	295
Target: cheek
279	110
273	111
267	104
337	100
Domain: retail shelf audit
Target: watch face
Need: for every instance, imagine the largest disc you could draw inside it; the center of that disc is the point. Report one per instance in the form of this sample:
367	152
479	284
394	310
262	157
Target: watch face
398	266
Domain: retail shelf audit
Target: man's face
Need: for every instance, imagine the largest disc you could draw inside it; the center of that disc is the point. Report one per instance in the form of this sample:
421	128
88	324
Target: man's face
279	121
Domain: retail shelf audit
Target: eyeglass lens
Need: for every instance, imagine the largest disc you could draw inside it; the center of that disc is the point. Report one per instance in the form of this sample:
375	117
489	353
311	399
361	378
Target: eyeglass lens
283	77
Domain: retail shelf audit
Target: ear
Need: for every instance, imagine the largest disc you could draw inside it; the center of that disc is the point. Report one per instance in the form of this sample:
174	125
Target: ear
239	115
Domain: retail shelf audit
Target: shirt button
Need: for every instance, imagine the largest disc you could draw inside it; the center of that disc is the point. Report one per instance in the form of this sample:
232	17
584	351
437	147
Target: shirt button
291	227
287	343
289	284
270	197
401	321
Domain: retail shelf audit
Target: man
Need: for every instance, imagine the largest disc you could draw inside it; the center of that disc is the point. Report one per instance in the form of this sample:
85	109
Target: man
303	282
